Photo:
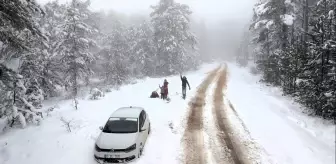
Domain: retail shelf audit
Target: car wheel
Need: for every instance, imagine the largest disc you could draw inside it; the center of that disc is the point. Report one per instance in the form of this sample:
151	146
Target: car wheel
140	153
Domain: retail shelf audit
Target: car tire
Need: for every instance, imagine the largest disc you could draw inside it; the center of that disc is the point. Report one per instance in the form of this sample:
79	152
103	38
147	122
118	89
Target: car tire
140	153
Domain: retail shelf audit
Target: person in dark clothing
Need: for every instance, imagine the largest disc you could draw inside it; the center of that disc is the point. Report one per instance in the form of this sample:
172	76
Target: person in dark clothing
161	92
184	85
165	89
154	95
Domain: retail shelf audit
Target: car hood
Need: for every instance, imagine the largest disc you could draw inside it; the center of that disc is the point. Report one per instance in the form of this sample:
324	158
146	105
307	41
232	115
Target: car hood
116	140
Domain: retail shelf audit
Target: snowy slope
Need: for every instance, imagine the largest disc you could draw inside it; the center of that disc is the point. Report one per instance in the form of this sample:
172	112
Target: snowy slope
51	143
277	124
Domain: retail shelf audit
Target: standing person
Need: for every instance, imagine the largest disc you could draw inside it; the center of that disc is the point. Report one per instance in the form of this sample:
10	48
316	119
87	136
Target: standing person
184	85
165	88
161	92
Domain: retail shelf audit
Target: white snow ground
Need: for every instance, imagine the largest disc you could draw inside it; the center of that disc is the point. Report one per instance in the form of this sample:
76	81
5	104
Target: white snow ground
277	124
287	136
50	143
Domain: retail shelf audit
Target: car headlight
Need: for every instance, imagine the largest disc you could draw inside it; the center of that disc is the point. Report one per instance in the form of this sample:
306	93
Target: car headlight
131	148
97	148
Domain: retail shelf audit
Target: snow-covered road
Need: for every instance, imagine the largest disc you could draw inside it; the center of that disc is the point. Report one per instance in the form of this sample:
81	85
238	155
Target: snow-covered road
269	125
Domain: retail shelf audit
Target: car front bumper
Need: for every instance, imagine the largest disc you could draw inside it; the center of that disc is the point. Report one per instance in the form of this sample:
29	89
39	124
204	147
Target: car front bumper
115	157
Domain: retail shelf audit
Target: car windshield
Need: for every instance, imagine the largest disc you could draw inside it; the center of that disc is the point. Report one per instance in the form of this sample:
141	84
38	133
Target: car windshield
121	125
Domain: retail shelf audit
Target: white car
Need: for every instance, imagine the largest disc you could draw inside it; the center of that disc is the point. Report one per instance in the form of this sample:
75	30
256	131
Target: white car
124	135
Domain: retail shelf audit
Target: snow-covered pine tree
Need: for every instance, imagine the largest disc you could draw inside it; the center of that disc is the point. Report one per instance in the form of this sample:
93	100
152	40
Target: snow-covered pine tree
31	68
143	50
261	29
132	63
74	46
51	67
17	15
92	19
17	106
115	53
173	37
271	21
317	81
305	67
18	28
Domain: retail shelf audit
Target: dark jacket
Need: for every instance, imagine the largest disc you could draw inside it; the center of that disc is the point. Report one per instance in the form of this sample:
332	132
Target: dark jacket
165	87
154	95
184	82
165	84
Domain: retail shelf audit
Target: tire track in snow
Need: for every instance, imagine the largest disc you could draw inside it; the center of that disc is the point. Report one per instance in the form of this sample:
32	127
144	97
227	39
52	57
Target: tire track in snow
193	136
250	151
224	131
237	116
216	153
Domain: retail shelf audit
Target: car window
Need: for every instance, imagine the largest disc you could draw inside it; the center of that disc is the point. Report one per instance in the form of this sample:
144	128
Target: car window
144	115
121	125
142	118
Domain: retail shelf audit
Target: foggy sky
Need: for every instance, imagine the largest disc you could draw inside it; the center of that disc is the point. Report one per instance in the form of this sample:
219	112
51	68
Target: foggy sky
224	19
210	10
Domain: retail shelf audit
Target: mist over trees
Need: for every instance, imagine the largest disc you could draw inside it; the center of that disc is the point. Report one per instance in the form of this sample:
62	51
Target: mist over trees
46	51
294	45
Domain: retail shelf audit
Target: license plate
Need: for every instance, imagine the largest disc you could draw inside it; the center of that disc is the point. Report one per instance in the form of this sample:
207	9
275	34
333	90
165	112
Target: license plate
111	156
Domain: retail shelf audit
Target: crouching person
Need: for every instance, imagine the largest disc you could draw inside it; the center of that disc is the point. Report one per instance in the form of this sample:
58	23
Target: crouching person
154	95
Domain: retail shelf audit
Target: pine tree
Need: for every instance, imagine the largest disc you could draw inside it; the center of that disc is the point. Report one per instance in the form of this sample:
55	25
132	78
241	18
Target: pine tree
19	28
295	45
15	100
51	67
319	75
143	50
17	16
74	46
115	55
173	37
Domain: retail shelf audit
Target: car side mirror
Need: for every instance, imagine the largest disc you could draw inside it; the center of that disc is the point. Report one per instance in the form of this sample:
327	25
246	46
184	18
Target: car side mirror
101	128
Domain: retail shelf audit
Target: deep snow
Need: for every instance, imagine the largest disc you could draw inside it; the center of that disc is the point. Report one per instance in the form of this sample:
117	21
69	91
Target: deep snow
274	123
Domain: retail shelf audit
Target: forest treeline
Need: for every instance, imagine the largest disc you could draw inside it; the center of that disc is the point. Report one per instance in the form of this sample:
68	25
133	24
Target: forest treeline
293	45
57	47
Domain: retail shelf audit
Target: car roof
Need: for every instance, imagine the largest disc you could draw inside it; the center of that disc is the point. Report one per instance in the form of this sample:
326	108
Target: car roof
132	112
